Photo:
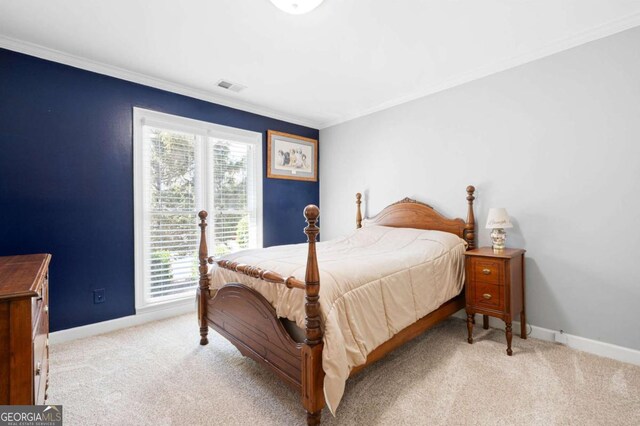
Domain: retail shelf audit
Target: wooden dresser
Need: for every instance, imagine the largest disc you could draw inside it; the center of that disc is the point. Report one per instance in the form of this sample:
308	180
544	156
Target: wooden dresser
24	329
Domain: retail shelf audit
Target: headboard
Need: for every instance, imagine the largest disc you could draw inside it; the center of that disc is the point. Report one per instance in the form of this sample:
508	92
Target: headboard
409	213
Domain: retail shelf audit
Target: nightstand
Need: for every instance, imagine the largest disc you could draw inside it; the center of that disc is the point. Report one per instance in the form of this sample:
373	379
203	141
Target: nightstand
495	287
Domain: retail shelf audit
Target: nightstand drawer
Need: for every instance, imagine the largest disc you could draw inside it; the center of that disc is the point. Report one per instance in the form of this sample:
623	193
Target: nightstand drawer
488	296
487	271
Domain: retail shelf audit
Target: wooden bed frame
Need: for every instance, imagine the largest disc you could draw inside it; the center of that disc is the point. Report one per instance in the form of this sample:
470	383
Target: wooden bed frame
249	321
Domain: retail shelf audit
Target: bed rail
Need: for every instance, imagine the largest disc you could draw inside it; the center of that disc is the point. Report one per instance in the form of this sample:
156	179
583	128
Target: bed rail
311	214
255	272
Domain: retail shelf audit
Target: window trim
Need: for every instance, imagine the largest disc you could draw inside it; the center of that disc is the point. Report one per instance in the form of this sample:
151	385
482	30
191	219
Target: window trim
206	130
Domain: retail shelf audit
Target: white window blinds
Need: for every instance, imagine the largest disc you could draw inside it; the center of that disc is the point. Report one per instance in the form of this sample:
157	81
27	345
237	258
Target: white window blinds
234	197
181	167
171	204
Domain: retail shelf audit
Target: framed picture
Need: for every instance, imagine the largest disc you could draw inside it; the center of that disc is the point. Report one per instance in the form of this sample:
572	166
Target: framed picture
291	157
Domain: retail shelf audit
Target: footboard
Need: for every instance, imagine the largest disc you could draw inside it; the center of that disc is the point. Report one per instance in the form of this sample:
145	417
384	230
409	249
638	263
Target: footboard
245	318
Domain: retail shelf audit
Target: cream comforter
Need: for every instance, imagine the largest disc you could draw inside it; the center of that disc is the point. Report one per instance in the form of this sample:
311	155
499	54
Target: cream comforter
373	283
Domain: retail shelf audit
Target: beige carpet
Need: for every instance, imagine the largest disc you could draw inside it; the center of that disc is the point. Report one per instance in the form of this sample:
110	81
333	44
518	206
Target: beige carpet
157	374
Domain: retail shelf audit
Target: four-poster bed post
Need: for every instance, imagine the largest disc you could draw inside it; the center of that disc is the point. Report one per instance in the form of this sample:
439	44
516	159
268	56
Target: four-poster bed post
358	211
203	283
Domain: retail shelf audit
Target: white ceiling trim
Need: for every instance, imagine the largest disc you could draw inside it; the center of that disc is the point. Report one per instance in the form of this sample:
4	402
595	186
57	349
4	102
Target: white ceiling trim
592	34
134	77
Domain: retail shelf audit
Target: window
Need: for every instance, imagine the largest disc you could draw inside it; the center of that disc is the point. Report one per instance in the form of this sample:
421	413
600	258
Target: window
181	167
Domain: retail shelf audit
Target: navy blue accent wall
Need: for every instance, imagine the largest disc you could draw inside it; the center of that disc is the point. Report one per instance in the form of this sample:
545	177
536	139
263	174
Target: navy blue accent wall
66	178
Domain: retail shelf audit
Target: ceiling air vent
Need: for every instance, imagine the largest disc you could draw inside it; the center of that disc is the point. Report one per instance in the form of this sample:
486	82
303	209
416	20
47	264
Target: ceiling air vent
234	87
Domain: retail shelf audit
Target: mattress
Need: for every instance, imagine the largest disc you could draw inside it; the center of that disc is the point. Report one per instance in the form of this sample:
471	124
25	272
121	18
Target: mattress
373	283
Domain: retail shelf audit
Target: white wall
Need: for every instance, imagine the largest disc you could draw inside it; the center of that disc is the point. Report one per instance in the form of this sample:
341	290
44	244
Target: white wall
556	142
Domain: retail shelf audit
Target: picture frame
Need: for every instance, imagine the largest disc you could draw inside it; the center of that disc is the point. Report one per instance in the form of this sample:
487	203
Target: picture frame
291	157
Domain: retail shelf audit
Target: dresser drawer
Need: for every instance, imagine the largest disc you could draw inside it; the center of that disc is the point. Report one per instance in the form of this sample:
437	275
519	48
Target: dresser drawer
40	377
487	271
40	303
40	357
42	325
489	296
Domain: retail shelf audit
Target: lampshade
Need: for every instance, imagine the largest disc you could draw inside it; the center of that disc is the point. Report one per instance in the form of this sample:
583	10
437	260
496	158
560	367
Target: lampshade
498	218
296	7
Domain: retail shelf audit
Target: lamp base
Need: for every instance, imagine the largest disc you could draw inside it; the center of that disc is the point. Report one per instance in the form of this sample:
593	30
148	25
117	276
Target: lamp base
498	238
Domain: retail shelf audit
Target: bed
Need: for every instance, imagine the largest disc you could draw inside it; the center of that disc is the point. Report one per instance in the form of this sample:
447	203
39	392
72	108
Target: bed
397	275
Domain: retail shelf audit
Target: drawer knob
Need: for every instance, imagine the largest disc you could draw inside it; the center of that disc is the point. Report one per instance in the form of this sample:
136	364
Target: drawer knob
46	309
486	296
486	271
38	368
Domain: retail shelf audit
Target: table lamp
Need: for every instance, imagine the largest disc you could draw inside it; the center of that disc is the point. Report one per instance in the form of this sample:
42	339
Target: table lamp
498	220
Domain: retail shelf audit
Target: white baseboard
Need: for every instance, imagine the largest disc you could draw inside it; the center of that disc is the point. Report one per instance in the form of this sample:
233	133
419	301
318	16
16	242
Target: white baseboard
153	314
595	347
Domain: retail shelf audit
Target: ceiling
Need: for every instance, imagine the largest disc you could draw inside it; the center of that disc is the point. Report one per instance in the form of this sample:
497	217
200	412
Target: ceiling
345	59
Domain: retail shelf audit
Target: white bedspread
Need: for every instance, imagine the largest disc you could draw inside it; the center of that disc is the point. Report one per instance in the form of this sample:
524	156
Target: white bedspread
373	283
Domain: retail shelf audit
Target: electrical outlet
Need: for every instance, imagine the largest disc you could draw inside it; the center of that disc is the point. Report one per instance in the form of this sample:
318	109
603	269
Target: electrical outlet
98	296
560	337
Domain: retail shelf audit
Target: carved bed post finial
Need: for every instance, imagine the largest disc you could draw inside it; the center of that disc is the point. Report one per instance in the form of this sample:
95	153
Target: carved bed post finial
312	373
470	225
203	284
358	211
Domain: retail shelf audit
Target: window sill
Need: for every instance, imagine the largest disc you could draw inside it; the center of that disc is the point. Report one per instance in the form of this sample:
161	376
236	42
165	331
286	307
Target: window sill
187	303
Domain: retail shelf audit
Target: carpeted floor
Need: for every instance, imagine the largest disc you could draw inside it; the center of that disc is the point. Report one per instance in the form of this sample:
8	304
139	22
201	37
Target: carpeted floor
157	374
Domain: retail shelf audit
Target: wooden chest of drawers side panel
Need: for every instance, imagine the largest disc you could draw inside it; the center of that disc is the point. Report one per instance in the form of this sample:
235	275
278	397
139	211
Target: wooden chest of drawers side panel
517	294
21	353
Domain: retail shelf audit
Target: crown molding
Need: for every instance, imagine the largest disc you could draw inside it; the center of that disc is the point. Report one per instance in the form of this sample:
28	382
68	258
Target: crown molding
146	80
595	33
592	34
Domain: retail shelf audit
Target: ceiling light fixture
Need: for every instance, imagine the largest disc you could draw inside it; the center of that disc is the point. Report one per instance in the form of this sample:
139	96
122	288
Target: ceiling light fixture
296	7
